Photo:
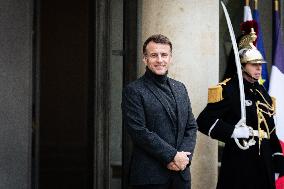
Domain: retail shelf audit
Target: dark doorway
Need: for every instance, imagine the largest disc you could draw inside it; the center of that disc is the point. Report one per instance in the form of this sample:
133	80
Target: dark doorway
65	127
85	54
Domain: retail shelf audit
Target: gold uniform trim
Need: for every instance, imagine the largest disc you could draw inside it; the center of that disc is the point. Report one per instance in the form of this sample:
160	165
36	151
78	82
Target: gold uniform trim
273	103
215	92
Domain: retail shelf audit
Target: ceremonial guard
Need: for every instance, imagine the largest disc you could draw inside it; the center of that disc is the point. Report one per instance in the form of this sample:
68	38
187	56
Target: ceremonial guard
252	156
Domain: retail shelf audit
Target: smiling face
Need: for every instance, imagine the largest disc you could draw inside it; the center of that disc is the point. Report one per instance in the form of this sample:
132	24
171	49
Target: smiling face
158	57
254	69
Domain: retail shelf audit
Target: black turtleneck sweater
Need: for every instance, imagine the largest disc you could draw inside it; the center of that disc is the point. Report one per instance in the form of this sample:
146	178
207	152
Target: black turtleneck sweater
162	83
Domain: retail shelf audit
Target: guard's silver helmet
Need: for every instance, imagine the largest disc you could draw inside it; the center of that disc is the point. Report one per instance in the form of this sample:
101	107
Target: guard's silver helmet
248	52
251	55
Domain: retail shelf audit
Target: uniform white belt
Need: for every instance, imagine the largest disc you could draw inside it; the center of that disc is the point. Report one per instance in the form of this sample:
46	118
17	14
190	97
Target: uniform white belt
259	134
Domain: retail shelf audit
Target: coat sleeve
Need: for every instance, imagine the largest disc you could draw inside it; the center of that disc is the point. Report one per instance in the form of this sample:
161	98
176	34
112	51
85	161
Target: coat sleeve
135	122
189	137
211	120
277	152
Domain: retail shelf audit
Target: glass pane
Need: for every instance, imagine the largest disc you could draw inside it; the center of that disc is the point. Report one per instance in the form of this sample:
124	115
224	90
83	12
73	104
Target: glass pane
116	79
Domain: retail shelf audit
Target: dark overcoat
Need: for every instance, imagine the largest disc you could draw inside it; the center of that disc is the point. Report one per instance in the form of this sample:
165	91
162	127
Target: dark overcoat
243	169
156	138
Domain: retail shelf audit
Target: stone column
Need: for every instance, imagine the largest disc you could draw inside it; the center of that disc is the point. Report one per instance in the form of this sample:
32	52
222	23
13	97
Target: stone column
193	28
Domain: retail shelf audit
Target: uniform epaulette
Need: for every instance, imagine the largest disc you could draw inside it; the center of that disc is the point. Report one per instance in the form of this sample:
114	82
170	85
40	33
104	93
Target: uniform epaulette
215	93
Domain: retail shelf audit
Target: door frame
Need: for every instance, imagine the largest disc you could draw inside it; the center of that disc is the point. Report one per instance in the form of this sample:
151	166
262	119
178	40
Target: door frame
101	103
129	74
101	93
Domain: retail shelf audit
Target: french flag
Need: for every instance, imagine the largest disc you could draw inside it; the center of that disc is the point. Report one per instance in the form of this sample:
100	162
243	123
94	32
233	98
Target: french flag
276	88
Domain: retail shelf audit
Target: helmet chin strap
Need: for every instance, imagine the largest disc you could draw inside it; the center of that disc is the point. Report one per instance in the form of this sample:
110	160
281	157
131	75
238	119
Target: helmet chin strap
248	74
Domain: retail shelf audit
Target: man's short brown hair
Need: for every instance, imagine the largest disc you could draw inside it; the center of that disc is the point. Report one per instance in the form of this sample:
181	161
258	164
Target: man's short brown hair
157	38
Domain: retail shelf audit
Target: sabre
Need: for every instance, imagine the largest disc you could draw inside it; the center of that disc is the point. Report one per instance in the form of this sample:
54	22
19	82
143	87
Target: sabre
240	77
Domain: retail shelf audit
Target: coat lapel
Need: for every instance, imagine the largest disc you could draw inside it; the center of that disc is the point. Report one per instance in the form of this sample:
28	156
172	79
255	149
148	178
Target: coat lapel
180	103
151	86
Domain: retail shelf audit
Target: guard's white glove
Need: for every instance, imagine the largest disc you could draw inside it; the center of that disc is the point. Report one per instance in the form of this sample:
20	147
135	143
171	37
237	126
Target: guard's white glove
240	132
276	176
240	123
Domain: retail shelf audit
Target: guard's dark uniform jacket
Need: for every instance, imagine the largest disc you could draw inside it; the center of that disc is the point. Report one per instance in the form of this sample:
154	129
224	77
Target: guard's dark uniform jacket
253	168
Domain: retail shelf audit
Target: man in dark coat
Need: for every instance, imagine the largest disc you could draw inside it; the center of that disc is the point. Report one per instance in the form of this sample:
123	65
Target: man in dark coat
257	166
157	114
